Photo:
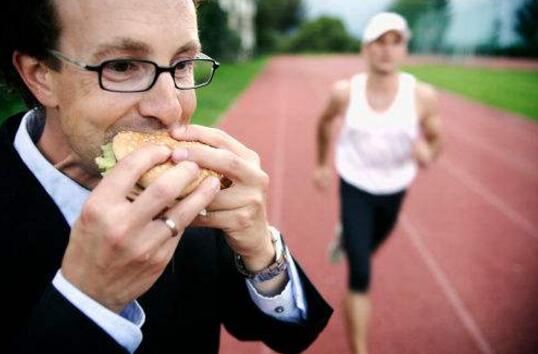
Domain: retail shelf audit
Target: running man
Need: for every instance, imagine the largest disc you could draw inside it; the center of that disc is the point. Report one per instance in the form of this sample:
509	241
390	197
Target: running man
391	125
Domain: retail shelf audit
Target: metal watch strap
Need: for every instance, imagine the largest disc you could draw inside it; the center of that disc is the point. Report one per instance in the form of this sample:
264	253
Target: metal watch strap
278	266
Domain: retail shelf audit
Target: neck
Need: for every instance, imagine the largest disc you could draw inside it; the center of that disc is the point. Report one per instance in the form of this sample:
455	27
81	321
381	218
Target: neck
382	81
54	146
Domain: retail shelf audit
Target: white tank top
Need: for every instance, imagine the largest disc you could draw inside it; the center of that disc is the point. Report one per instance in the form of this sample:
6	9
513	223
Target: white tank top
374	150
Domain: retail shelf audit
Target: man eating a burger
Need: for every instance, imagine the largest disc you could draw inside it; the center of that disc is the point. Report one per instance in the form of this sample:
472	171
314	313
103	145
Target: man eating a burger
170	238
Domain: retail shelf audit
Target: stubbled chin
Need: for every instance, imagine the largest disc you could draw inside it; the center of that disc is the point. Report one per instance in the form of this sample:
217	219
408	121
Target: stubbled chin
86	176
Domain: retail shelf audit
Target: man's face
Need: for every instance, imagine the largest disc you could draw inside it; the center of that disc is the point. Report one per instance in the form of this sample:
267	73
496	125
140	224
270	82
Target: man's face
386	54
163	31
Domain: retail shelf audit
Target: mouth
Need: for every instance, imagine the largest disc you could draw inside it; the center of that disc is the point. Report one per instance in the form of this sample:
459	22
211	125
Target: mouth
134	127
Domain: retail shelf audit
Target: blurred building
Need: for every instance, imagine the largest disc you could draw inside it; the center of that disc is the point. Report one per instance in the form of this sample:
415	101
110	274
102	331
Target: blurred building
241	18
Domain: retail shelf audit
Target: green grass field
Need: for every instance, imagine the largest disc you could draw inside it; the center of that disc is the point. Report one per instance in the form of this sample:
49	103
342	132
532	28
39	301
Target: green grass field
9	104
213	100
510	90
230	80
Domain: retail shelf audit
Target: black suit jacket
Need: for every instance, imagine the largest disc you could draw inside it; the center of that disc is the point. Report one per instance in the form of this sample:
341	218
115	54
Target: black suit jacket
184	309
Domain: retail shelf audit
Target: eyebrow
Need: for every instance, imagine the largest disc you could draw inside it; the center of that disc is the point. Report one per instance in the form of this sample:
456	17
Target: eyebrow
192	45
140	48
122	44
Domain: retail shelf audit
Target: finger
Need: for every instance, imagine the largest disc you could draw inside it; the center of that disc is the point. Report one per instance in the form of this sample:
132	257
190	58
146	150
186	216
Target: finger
211	136
226	163
166	252
164	190
240	218
184	212
234	198
122	178
160	240
158	234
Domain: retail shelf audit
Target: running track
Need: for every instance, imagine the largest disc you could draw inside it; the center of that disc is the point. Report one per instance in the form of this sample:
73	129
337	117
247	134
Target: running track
460	273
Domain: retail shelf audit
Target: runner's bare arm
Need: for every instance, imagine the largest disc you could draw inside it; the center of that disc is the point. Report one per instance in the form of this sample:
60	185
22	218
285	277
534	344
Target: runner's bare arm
336	106
430	123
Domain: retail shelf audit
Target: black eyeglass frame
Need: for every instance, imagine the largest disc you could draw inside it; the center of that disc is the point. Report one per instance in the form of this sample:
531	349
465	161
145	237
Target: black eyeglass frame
158	69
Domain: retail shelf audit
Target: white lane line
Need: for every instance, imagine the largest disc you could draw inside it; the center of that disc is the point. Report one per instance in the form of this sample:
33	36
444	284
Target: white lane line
448	289
475	186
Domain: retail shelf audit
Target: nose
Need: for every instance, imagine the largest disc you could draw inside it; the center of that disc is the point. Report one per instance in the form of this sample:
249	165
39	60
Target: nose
162	101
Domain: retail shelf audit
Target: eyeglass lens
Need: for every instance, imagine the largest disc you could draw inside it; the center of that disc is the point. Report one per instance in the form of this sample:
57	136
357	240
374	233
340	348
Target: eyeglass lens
133	75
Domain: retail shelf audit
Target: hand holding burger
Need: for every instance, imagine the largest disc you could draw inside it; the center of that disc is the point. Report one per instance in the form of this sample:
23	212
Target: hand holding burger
118	247
240	210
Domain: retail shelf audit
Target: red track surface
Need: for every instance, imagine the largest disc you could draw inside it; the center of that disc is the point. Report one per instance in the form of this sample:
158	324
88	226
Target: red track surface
460	273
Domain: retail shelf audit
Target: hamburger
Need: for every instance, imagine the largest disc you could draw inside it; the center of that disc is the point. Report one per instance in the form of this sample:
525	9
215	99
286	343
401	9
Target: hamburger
126	142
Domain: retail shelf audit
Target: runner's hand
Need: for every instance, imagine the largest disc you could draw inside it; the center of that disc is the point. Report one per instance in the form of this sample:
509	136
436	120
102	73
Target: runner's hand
322	178
422	153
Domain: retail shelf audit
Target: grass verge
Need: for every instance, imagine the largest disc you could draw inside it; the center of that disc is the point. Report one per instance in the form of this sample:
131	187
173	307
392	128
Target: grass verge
507	89
10	103
229	82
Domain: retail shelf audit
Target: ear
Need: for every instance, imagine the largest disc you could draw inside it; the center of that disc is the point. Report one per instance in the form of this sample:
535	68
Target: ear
37	77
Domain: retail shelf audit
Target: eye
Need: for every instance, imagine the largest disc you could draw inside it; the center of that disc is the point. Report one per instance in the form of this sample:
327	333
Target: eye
125	69
121	66
183	65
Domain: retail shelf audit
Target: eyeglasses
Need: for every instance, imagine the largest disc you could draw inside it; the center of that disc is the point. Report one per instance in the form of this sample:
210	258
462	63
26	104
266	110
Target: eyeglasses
136	75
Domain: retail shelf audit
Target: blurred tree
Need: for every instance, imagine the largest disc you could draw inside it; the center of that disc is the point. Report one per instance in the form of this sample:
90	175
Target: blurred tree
493	41
274	19
324	34
218	40
410	9
527	25
427	19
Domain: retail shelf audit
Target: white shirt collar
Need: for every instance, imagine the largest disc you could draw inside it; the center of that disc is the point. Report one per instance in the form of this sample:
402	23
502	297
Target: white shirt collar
68	195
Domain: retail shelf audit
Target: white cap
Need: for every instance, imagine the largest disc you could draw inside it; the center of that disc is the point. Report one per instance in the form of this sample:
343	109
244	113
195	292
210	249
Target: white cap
382	23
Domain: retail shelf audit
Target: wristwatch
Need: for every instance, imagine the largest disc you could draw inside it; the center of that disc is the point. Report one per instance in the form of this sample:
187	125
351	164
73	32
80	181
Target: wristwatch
278	266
